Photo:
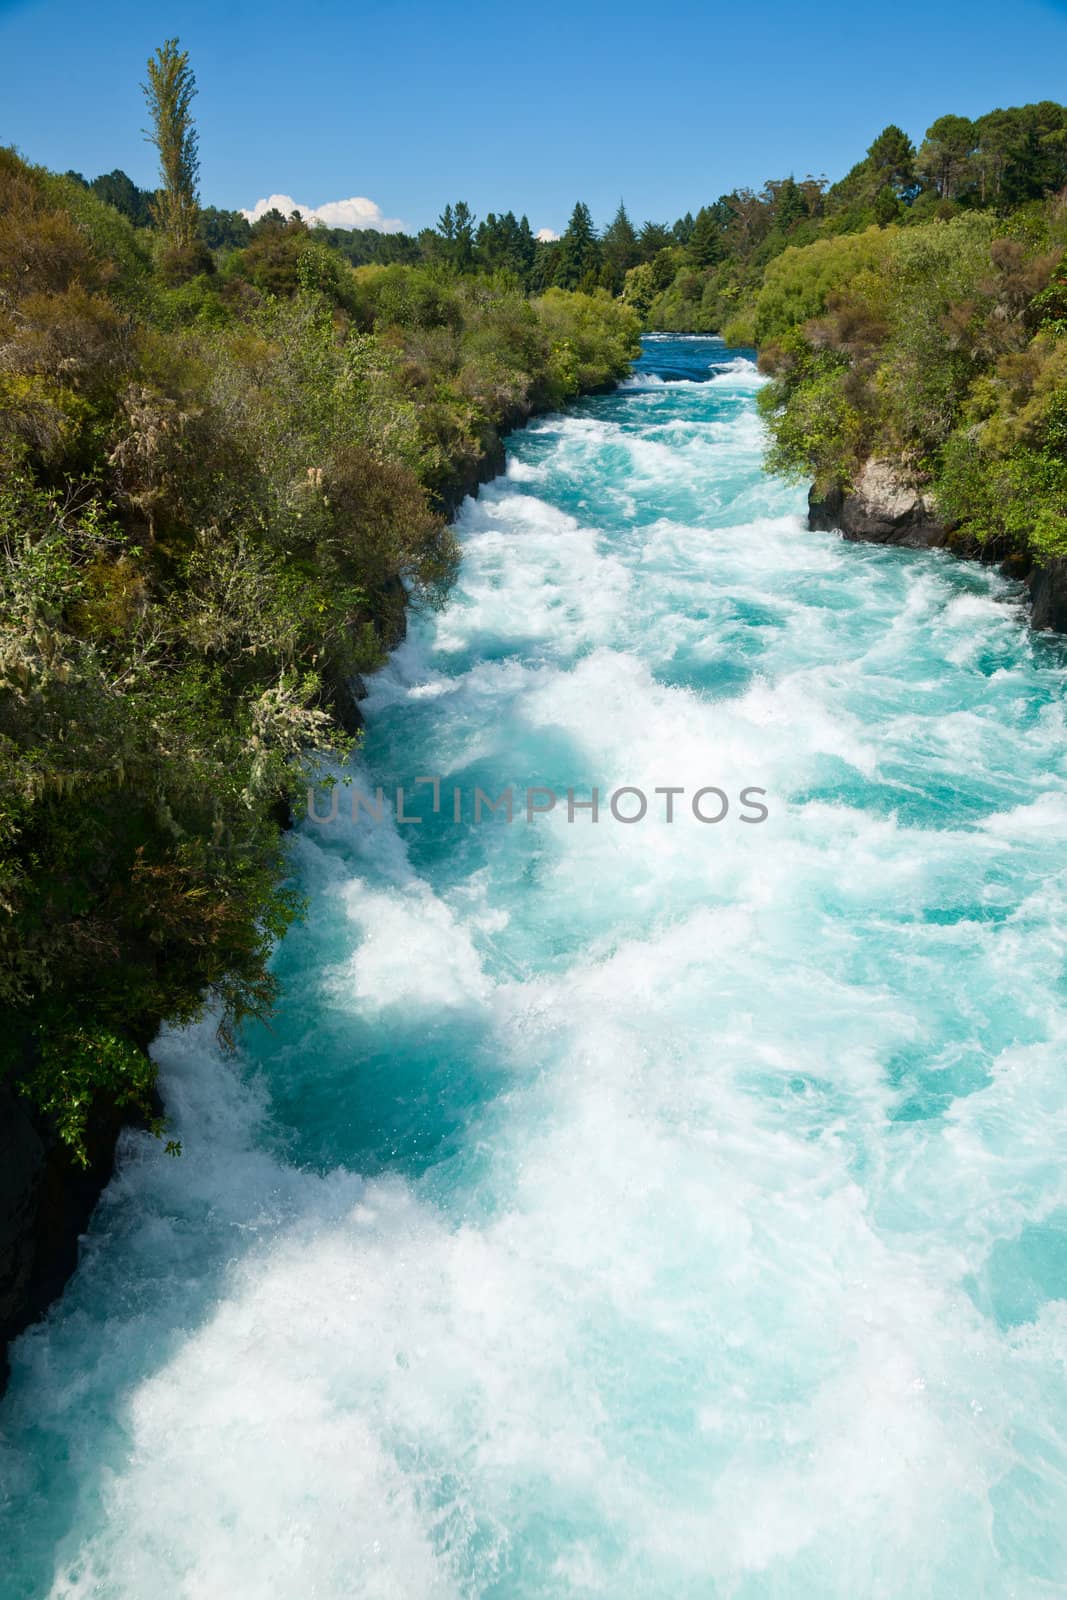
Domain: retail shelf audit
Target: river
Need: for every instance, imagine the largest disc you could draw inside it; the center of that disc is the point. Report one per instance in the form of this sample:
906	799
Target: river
643	1209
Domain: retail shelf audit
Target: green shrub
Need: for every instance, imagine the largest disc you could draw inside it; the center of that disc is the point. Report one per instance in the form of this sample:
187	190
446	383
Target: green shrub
592	337
798	284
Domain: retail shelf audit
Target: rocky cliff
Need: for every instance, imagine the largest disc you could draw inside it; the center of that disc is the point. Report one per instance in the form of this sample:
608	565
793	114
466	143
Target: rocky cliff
883	506
1048	593
46	1200
880	507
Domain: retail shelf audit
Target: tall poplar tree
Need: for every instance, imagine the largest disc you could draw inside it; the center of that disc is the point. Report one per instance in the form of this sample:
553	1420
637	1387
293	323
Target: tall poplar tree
169	93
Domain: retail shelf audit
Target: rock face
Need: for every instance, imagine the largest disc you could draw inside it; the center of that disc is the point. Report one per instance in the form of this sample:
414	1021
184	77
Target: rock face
881	508
1048	593
46	1201
21	1170
884	508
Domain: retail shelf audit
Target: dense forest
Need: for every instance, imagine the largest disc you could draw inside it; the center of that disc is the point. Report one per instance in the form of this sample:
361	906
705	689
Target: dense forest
226	466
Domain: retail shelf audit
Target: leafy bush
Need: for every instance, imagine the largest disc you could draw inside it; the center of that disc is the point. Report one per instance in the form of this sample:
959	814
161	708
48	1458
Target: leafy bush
798	284
592	340
945	351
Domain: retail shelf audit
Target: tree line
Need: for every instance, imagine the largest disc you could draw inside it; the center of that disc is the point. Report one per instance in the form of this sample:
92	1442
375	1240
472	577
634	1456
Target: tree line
996	162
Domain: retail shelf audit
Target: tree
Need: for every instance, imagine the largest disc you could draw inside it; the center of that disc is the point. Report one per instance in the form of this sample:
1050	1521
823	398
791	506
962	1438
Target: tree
705	242
504	244
662	269
579	250
945	156
814	191
790	203
997	132
525	248
491	241
654	237
224	230
463	243
620	249
1036	144
120	191
169	93
750	221
887	207
271	221
543	268
891	161
456	227
272	259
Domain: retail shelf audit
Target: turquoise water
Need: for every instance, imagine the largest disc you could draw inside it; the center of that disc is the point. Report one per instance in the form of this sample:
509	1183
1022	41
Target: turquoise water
642	1211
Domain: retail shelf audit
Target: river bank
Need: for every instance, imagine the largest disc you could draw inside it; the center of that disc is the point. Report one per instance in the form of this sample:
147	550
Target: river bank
884	508
234	468
47	1192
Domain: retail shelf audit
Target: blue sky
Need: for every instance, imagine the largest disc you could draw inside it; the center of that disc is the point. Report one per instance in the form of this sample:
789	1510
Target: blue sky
530	107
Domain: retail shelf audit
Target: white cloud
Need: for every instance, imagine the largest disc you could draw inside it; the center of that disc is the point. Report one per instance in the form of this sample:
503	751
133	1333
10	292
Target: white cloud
355	212
546	235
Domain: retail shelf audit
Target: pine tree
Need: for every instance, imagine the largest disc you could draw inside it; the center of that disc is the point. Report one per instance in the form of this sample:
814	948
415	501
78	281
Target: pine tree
456	227
463	248
705	242
946	154
891	160
654	237
619	248
579	250
526	248
790	204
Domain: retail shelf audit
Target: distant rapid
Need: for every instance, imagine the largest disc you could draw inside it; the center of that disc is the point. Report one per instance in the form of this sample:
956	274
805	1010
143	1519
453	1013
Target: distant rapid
655	1210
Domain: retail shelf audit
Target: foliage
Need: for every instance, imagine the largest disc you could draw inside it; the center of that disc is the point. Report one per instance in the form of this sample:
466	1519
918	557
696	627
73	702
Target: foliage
915	309
73	1070
592	341
798	283
228	452
169	95
578	258
1000	162
944	351
620	250
217	492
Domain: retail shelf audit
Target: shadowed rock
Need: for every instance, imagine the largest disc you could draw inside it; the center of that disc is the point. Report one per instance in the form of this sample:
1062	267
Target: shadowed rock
882	507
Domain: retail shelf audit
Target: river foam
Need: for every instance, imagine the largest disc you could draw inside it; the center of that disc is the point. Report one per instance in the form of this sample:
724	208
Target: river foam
654	1211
